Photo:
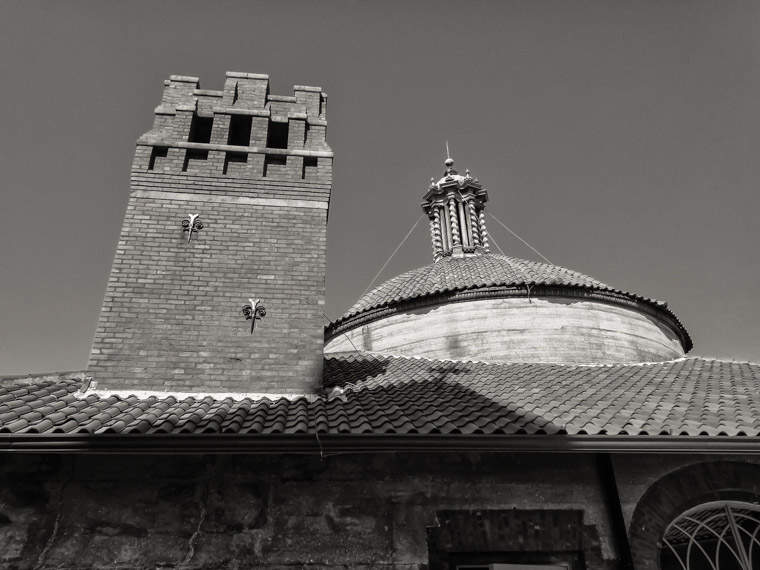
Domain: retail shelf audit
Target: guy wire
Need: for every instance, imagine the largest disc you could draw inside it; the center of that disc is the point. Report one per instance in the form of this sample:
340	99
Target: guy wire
521	239
391	257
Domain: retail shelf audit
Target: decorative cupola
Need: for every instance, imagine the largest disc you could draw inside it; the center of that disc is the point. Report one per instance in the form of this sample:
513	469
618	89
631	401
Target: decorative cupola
456	208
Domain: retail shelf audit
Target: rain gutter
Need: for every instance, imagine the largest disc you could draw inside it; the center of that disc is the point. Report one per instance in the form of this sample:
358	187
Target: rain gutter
328	444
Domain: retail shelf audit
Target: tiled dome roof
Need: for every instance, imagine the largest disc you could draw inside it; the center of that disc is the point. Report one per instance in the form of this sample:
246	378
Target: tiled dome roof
471	272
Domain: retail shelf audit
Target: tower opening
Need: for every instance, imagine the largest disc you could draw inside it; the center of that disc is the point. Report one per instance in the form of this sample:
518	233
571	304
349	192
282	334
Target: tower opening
193	155
234	158
309	166
200	129
277	136
158	152
240	130
274	160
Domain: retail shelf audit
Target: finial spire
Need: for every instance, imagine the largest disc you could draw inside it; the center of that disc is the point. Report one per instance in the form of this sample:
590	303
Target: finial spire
449	163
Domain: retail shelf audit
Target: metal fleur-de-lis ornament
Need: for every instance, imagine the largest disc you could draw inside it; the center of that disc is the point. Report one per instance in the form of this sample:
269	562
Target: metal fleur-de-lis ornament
191	225
254	312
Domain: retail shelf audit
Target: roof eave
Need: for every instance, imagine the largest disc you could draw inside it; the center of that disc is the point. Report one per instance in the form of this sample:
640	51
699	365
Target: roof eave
329	444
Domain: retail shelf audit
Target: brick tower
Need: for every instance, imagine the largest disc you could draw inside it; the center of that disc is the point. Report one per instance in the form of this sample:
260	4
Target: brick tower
228	208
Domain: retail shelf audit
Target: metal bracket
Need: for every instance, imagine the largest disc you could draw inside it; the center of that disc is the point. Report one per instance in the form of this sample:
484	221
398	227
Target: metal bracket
254	311
191	225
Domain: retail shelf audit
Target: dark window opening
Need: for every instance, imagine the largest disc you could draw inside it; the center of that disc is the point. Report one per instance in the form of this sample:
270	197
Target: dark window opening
234	157
194	154
277	137
274	159
240	130
517	561
235	94
157	152
306	133
511	566
200	129
513	540
309	165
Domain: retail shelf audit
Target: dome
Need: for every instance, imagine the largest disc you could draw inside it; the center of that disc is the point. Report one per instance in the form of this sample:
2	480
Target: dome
471	304
503	309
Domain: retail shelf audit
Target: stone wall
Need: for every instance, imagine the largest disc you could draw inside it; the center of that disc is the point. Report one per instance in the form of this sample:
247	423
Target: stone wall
404	511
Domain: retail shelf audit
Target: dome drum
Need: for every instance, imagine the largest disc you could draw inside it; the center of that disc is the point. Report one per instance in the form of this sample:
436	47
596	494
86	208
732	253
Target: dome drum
547	325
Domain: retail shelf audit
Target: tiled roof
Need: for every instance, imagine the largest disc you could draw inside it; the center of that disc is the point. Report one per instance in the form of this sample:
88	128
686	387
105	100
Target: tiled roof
367	394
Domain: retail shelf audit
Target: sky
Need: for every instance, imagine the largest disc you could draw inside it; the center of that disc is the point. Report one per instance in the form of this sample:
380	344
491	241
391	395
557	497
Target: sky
619	139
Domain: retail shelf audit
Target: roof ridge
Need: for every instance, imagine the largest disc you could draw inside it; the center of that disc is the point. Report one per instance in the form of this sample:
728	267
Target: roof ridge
339	355
34	375
724	360
200	395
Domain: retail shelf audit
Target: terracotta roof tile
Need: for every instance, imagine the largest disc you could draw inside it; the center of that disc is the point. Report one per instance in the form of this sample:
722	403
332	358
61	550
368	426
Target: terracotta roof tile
388	395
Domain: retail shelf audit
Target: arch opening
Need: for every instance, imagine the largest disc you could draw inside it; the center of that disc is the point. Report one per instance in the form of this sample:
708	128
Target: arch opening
718	535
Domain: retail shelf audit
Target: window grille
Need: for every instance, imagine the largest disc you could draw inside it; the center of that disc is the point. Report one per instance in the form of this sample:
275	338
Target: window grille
721	535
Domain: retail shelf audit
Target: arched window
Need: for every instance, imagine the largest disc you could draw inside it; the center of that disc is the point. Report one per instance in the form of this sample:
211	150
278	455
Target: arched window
720	535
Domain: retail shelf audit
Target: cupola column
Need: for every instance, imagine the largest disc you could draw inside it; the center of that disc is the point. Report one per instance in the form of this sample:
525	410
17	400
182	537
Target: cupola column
464	223
435	233
483	232
453	218
474	224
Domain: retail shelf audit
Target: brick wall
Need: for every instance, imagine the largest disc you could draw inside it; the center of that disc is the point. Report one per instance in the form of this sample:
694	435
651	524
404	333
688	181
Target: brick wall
286	511
172	316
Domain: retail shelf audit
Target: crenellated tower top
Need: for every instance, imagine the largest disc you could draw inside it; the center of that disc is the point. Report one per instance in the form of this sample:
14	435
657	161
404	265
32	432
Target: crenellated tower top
456	208
242	131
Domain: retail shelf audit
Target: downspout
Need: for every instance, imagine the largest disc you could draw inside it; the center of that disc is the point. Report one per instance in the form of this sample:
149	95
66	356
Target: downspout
614	509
